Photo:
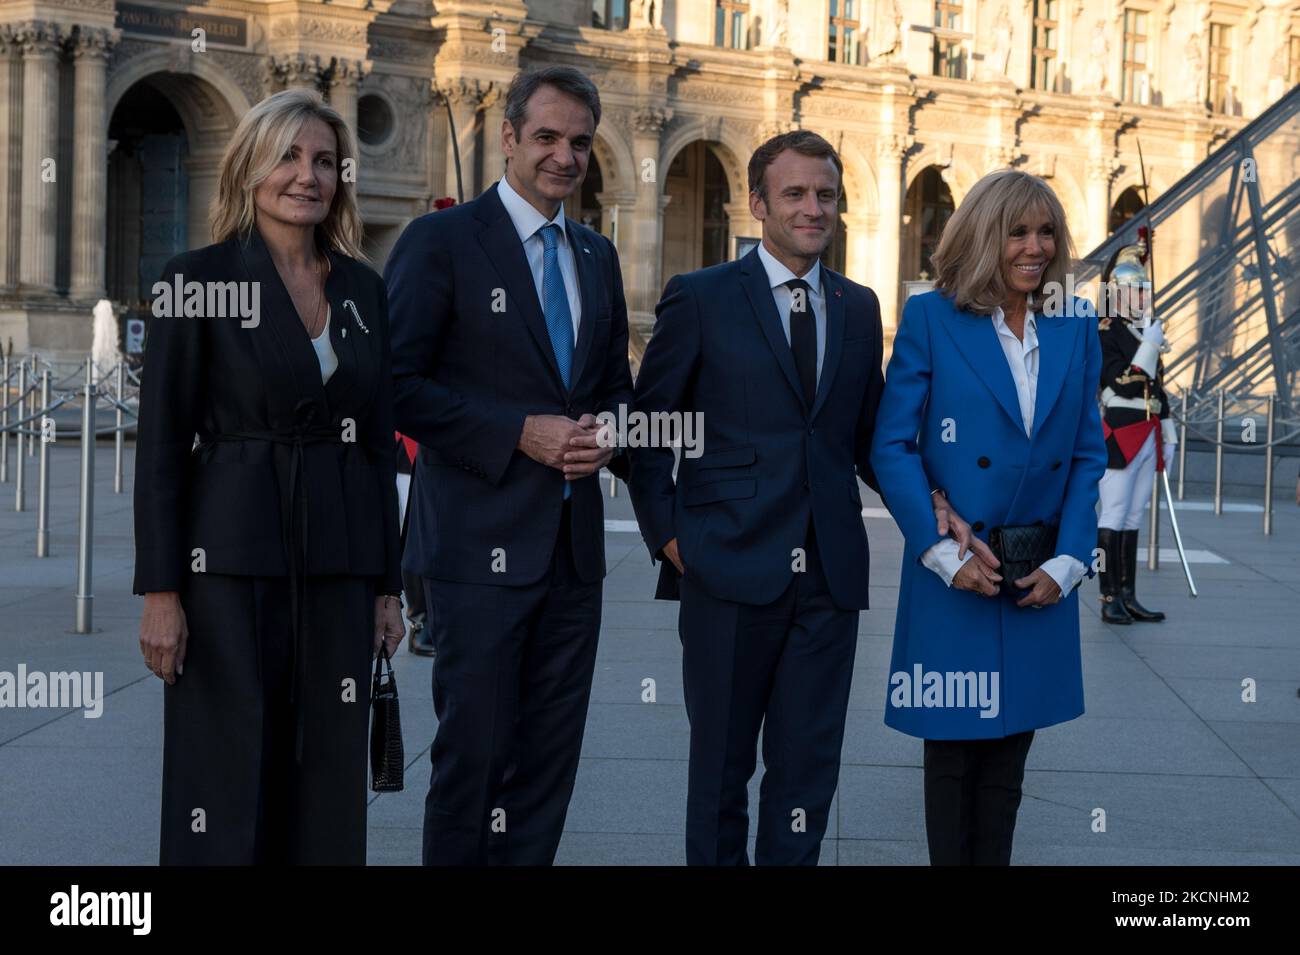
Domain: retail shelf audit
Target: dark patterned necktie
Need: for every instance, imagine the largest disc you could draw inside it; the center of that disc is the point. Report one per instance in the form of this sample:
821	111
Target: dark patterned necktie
803	337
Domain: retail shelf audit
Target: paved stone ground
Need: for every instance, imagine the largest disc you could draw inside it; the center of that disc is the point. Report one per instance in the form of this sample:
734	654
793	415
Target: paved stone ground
1187	773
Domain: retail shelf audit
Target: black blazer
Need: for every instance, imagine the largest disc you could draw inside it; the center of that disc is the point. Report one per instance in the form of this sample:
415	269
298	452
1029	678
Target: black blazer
769	462
471	359
246	391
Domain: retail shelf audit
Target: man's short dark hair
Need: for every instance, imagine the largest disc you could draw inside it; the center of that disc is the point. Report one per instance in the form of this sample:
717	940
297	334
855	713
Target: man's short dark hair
566	79
803	141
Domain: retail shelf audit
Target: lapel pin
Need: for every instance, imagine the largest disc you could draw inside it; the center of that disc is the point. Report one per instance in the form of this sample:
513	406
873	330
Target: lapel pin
837	293
587	250
349	304
343	332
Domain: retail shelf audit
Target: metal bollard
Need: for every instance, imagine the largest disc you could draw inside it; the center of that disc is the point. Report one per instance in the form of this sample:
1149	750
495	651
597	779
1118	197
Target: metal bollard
613	485
1153	535
85	599
43	483
119	438
31	406
1182	448
1268	469
20	474
4	419
1218	460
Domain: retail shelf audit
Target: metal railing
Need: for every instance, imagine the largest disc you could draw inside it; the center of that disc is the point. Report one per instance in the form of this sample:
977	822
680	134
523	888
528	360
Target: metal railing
33	388
1197	411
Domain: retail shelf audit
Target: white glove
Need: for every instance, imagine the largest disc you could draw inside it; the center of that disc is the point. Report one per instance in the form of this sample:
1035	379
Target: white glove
1153	333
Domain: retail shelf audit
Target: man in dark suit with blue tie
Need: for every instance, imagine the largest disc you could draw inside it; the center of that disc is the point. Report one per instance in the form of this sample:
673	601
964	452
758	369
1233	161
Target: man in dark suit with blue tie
509	338
781	358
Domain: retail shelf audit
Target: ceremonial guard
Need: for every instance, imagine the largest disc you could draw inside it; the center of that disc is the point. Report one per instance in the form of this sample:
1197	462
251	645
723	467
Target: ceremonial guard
1140	435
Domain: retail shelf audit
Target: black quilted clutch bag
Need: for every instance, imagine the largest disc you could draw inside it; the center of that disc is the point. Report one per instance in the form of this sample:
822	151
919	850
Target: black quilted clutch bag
387	757
1022	549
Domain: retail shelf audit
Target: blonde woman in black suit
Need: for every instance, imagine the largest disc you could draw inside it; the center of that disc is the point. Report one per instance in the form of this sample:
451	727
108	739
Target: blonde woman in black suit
267	552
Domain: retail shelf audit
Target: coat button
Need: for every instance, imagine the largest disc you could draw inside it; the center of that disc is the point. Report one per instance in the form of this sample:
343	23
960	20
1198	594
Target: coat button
977	526
983	462
1056	465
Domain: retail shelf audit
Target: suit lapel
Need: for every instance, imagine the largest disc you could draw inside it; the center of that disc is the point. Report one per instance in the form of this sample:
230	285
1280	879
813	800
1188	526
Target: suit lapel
505	254
588	284
1056	341
348	338
834	295
759	293
281	318
977	342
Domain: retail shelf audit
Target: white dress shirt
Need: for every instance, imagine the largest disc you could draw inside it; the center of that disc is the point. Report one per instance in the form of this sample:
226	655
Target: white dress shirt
528	222
777	276
1022	359
329	361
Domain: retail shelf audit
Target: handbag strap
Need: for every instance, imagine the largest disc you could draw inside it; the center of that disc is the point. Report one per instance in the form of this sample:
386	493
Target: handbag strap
382	661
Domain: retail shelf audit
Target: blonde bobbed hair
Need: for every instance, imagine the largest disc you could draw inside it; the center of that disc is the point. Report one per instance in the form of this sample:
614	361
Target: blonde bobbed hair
968	261
262	138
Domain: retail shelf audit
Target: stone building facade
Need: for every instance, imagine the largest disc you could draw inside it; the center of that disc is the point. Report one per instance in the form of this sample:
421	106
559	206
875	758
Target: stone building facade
114	114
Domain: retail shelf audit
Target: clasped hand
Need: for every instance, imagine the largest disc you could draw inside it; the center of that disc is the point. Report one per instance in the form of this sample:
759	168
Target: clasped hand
980	575
578	448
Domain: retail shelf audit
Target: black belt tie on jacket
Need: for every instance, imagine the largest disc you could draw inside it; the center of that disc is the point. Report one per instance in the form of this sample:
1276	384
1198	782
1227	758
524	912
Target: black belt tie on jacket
295	532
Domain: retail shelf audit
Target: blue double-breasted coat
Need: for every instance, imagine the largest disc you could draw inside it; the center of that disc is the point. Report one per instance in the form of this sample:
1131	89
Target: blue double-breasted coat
950	418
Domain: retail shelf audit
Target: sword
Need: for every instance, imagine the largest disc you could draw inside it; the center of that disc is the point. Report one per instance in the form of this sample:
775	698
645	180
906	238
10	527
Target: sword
1164	472
1178	538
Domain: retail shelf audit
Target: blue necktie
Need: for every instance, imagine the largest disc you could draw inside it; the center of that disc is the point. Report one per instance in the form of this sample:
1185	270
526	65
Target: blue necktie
555	305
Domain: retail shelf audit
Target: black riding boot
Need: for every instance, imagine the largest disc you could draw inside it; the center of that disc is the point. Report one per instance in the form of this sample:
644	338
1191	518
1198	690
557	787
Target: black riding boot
1128	596
1109	576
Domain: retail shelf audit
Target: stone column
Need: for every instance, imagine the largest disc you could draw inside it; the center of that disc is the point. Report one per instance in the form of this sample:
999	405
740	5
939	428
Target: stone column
494	114
430	100
1100	169
344	80
464	96
740	222
860	239
90	163
40	195
203	169
890	149
644	233
11	118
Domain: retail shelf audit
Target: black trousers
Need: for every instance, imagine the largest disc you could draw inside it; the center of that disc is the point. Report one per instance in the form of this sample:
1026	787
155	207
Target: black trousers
232	791
972	795
784	667
511	682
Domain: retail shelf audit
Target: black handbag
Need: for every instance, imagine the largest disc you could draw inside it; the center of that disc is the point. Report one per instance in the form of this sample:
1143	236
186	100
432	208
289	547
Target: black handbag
387	756
1022	549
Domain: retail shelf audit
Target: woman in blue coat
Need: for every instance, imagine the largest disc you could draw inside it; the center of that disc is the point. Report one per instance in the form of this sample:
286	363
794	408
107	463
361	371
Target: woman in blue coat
990	400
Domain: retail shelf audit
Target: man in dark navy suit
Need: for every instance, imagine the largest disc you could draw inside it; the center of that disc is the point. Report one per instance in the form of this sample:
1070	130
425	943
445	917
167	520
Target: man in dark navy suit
509	338
762	531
